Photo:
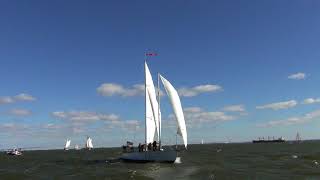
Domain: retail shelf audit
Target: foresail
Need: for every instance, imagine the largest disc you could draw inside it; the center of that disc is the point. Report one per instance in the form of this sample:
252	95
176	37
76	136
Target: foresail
150	90
177	108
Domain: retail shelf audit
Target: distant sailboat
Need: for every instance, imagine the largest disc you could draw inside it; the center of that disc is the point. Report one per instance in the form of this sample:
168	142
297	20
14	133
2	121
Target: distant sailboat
202	141
68	143
153	122
89	143
15	152
298	138
76	147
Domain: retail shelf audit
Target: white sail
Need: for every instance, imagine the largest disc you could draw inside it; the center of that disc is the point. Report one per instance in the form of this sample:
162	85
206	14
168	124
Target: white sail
177	108
150	122
76	147
67	144
89	143
151	103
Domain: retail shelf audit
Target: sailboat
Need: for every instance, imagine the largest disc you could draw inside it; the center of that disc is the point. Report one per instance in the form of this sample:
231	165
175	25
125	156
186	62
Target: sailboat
15	152
298	138
68	142
153	122
76	147
89	143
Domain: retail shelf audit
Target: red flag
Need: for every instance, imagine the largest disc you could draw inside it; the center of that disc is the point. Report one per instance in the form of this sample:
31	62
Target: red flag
151	54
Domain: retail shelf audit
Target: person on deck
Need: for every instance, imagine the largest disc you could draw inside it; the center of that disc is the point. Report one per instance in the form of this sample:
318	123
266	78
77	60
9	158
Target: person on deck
139	147
149	146
154	144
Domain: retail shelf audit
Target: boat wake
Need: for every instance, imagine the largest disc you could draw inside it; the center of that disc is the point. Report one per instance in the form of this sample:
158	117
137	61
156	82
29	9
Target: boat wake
178	160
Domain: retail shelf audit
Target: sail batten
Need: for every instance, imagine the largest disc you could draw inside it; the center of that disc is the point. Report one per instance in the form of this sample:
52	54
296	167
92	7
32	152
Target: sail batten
177	109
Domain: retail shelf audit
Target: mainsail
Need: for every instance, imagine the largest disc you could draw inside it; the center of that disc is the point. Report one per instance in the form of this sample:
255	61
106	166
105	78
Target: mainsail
152	108
150	124
177	108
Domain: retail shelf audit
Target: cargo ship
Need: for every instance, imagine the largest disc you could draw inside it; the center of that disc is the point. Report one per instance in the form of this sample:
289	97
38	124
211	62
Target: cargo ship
269	140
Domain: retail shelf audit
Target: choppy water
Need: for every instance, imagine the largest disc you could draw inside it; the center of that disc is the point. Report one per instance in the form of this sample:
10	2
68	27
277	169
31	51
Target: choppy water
235	161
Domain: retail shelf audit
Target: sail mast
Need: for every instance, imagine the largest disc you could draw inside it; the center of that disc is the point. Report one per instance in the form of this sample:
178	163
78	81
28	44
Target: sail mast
159	120
145	100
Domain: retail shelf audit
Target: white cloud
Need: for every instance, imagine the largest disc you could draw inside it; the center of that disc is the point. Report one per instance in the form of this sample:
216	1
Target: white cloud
20	112
24	97
311	101
196	114
196	90
6	100
111	89
192	109
12	127
131	125
19	97
124	125
235	108
297	76
85	116
197	117
293	120
279	105
51	126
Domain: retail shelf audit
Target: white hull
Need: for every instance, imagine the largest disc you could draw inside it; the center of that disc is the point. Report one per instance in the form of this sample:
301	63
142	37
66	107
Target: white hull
14	153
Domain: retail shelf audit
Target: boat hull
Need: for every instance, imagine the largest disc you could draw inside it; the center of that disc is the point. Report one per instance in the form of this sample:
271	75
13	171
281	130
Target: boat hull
269	141
14	153
168	156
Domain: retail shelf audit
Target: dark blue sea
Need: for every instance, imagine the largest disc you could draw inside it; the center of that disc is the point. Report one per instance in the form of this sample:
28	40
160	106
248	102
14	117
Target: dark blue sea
245	161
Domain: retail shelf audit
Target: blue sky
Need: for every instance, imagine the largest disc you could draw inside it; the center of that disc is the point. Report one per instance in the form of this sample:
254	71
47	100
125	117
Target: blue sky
249	66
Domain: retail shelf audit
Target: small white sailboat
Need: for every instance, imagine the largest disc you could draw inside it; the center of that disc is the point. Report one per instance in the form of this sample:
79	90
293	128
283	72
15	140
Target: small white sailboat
15	152
298	138
67	145
76	147
153	123
202	142
89	144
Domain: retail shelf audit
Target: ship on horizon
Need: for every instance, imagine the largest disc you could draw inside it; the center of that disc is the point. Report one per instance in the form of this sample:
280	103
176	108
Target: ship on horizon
269	140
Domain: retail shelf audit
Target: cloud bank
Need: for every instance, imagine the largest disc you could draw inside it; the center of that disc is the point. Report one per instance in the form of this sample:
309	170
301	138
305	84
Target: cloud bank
85	116
293	120
20	112
113	89
19	97
278	105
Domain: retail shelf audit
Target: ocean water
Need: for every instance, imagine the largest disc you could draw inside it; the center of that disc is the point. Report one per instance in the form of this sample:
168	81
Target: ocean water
209	161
